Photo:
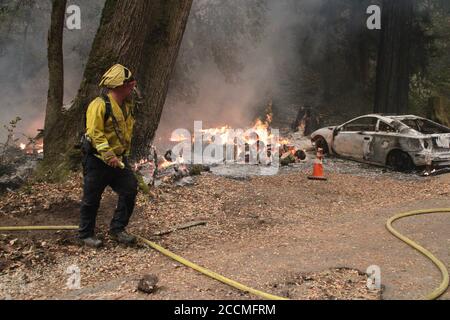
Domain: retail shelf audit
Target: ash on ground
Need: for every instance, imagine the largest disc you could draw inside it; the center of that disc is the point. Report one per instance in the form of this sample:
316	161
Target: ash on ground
16	167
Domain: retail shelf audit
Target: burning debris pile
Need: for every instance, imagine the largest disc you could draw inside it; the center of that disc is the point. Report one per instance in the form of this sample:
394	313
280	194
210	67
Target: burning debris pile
192	154
35	147
15	174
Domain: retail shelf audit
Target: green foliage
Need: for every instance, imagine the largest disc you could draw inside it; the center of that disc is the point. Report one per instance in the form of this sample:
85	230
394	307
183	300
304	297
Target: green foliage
27	188
433	80
141	184
53	173
59	170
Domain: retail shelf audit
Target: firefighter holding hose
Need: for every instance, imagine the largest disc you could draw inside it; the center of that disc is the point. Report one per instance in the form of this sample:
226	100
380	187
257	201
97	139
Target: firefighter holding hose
106	147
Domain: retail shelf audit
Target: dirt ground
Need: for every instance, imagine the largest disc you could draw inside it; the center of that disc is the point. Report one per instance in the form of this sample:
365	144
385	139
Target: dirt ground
281	234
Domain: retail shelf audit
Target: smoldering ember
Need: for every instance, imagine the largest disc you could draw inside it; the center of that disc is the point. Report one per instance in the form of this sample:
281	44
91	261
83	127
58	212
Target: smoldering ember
195	150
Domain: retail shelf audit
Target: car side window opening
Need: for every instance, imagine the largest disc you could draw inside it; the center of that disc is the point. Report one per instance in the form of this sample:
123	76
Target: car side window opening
384	127
429	127
412	124
425	126
362	124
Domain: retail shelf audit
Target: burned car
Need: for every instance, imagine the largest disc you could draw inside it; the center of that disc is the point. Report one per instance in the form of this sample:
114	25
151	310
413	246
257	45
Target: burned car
402	143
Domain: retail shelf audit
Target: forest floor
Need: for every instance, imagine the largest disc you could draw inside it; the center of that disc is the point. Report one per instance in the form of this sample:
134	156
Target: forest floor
281	234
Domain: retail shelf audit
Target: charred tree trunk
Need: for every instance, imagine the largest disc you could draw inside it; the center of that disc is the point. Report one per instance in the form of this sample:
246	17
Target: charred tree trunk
364	62
163	43
394	59
143	35
56	73
327	66
307	121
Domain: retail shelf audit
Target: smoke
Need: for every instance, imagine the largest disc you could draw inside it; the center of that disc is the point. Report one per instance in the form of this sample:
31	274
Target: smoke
23	84
236	57
232	85
23	60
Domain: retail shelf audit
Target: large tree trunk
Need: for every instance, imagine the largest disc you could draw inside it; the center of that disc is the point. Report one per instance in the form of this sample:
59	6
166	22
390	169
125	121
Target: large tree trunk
359	51
394	59
143	35
328	65
56	73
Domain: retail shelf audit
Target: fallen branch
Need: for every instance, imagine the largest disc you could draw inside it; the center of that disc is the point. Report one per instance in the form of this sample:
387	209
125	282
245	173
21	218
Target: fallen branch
180	227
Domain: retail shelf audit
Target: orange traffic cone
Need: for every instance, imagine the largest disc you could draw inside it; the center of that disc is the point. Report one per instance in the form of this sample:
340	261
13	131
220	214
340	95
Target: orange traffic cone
318	167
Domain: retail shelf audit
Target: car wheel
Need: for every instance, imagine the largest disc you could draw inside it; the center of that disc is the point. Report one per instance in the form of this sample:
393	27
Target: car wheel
400	161
321	143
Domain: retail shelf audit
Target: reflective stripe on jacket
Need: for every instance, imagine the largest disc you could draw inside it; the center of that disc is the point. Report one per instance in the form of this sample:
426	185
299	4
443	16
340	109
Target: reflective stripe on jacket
103	135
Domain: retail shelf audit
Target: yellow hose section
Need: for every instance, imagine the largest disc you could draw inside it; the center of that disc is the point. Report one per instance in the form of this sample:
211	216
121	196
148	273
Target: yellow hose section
445	278
210	273
39	228
167	253
434	295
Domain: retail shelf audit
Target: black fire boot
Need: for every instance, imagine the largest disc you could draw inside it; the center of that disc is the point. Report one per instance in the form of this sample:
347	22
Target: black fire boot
92	242
123	237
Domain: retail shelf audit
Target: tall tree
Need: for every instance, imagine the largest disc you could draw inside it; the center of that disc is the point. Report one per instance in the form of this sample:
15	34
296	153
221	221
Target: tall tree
394	59
55	97
360	42
143	35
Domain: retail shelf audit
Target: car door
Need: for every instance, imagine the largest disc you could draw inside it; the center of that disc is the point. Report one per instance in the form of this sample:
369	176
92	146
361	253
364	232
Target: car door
383	142
354	138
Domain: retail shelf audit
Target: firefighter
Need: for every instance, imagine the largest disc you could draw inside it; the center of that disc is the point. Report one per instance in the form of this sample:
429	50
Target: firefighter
106	145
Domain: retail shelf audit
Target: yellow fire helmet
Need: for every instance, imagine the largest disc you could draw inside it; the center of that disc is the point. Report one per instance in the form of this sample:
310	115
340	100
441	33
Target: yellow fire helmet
116	76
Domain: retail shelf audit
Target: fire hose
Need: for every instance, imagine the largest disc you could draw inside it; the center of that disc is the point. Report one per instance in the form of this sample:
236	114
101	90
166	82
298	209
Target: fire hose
432	296
165	252
439	291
